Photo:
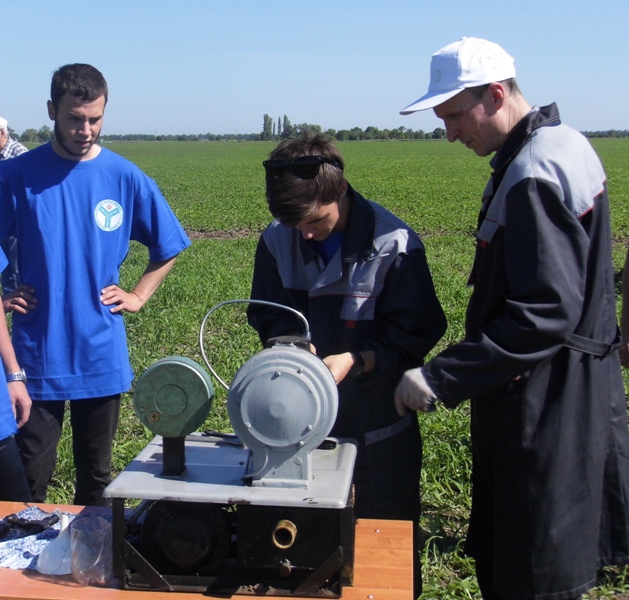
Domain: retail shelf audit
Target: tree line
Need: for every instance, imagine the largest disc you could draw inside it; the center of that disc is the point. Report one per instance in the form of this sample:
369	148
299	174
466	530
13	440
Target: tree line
280	130
283	129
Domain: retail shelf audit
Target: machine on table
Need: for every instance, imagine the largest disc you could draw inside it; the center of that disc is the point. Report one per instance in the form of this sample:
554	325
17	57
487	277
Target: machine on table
267	510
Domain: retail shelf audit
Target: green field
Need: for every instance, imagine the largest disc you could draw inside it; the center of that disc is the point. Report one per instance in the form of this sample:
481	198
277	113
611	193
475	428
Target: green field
217	191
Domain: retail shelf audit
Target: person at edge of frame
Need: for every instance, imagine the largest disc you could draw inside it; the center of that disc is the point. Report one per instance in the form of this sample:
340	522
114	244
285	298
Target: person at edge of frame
360	277
74	206
15	407
9	148
550	443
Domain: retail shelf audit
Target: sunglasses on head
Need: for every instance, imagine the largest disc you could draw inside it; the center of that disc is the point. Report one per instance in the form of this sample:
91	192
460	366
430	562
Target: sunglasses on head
305	167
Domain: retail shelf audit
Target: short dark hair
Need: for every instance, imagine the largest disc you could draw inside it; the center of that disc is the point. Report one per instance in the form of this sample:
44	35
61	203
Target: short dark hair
78	80
479	90
292	199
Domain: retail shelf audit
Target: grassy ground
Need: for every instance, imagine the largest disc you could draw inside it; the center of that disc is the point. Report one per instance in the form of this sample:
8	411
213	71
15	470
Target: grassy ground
216	189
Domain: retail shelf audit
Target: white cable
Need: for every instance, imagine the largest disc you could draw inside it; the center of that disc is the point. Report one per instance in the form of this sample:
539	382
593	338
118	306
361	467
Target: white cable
250	301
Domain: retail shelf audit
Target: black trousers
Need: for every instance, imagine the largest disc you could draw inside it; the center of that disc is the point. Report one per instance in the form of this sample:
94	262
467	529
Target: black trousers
94	422
485	578
13	484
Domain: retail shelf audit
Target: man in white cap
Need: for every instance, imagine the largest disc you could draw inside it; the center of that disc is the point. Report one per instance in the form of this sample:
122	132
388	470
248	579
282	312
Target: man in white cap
9	148
550	479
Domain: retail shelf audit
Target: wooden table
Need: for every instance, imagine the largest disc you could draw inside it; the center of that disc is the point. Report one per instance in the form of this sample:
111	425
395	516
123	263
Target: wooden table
382	569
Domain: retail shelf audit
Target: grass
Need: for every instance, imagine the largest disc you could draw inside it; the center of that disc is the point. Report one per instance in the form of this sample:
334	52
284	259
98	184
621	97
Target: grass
216	189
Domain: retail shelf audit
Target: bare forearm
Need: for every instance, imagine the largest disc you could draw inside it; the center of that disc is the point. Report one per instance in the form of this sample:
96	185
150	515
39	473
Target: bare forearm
134	300
152	278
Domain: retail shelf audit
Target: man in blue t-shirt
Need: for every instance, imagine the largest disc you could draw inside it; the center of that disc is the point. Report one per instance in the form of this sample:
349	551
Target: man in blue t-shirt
15	406
75	206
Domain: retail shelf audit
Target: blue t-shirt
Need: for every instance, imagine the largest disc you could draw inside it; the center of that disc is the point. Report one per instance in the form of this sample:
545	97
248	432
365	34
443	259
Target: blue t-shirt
8	426
73	221
328	247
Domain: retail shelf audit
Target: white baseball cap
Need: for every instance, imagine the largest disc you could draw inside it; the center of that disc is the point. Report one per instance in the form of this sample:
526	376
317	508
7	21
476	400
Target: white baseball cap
467	63
3	123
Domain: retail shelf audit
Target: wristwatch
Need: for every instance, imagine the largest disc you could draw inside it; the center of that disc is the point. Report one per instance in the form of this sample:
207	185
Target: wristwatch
358	366
19	376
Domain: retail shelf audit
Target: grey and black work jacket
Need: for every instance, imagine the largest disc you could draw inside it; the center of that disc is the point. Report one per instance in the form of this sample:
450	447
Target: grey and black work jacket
375	294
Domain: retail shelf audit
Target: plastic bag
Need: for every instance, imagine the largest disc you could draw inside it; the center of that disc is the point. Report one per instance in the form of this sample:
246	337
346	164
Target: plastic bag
91	550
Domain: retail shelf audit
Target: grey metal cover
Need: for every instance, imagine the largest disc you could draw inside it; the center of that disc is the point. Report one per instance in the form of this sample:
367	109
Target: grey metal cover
282	404
216	470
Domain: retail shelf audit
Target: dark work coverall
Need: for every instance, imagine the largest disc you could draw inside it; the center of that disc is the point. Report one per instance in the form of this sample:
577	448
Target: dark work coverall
549	420
375	294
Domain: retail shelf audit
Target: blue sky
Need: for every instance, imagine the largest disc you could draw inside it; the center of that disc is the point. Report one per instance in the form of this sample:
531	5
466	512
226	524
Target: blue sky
217	66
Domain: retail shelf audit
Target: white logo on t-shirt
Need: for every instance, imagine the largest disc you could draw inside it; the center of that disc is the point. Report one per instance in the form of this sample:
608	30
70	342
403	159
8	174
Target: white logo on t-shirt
108	215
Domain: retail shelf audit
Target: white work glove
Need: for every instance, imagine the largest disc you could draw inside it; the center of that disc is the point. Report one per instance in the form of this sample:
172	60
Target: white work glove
414	392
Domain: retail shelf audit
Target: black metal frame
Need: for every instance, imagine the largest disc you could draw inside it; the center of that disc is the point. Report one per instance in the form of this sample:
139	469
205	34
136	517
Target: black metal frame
317	565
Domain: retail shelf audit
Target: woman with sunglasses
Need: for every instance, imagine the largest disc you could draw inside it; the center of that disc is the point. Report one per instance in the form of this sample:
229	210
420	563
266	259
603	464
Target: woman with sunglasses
360	277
